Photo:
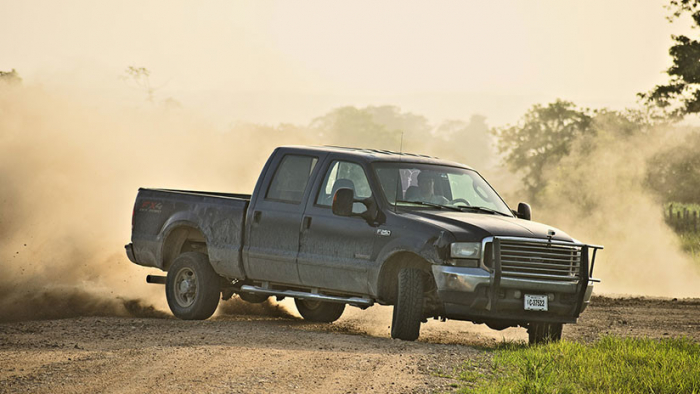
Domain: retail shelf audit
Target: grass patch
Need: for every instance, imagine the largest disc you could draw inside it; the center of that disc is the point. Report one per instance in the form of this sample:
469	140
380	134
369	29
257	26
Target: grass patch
678	207
690	242
468	374
685	228
610	365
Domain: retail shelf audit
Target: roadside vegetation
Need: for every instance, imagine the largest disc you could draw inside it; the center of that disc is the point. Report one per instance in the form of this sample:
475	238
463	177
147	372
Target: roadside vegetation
600	172
690	242
616	170
684	219
609	365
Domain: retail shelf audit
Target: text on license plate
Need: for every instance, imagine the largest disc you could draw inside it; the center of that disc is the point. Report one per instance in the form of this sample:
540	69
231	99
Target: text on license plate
535	302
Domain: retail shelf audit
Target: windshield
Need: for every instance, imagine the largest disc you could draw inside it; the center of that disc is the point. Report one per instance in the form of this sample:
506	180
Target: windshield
437	186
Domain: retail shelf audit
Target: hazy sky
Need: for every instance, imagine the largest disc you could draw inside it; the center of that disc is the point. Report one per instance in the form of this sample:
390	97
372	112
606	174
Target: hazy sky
289	61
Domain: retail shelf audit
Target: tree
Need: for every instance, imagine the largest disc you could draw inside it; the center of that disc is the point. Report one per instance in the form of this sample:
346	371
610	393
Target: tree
540	140
464	142
387	127
681	95
674	173
10	77
371	127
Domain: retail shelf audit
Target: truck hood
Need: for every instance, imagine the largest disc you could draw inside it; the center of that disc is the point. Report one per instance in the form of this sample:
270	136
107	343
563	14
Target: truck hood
473	226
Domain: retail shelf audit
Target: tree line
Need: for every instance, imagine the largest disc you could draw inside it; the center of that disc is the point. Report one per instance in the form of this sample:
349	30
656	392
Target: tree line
544	136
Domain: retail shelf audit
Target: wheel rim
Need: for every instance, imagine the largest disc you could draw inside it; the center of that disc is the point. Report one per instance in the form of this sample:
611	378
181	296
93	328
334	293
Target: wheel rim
185	287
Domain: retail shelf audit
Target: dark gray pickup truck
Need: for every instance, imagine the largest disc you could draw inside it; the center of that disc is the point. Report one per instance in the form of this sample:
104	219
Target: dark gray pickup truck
332	226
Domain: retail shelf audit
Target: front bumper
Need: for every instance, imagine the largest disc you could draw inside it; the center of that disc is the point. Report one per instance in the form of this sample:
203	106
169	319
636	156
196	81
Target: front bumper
466	295
482	295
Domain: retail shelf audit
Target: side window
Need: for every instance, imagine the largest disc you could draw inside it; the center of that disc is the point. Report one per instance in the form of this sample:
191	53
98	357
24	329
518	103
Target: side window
343	174
290	179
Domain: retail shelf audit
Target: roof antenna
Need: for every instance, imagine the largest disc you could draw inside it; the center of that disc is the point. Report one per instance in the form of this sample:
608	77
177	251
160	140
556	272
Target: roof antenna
398	176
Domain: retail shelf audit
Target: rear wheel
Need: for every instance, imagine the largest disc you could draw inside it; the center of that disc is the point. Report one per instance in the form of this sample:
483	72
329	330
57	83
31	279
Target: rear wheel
408	311
319	311
192	287
544	332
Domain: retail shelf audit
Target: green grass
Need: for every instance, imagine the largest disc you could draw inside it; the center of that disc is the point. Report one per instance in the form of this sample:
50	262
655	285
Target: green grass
690	242
610	365
679	207
689	238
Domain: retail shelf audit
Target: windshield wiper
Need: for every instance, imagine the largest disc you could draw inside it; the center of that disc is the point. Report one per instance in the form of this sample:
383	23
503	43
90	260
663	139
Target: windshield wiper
430	204
486	210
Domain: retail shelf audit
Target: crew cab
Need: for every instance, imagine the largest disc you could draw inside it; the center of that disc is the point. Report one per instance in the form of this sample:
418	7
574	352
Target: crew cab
332	226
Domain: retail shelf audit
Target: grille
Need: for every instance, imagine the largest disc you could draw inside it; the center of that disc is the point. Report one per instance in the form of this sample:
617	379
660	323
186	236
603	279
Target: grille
540	261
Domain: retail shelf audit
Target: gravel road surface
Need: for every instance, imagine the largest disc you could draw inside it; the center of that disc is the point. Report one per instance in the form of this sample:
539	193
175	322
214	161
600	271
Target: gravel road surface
274	351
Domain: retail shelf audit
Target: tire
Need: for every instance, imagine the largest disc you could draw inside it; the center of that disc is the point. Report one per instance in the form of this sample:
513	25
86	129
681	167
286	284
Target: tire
192	287
408	311
544	332
319	311
253	298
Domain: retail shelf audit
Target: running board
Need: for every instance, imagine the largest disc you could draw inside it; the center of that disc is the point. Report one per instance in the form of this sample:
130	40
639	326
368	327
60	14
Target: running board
357	301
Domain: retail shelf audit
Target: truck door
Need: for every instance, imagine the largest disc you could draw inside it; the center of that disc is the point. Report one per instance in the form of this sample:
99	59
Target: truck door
273	236
336	252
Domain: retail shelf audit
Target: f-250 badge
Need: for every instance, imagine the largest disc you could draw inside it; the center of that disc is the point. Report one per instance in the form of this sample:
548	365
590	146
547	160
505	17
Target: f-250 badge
383	233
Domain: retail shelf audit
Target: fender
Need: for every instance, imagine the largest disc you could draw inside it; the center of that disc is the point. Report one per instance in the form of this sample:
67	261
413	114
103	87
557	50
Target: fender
224	256
177	221
433	249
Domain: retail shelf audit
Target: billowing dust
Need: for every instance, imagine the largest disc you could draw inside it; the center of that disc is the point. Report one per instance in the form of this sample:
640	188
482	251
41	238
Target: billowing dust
376	321
597	195
70	167
71	164
236	306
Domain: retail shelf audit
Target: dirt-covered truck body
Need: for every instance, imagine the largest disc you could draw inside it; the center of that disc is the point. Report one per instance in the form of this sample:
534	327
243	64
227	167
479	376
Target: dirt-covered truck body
332	226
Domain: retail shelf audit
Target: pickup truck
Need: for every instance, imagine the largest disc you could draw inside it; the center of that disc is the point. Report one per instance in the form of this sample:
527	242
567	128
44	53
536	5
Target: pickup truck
332	226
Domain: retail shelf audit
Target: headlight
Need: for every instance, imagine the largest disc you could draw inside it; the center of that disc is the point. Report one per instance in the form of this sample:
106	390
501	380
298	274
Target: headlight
465	250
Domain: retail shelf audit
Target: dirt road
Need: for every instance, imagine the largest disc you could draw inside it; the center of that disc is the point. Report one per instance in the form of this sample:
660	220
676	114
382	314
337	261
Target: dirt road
279	353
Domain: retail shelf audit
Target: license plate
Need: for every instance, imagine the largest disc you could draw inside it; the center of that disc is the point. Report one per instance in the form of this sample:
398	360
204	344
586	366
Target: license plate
535	302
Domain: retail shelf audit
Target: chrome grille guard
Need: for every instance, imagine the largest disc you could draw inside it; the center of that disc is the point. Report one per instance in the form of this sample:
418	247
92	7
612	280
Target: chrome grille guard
541	260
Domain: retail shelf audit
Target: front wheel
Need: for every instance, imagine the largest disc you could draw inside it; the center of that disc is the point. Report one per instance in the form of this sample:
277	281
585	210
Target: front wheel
192	287
544	332
319	311
408	311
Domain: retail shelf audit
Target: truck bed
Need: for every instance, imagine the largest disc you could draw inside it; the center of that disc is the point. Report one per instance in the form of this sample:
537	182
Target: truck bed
161	215
203	193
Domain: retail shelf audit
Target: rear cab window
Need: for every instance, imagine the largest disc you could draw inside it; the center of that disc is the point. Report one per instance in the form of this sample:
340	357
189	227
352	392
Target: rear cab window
291	178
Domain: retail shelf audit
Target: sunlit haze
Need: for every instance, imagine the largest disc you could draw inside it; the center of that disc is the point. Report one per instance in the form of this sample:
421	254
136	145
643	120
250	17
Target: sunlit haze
277	62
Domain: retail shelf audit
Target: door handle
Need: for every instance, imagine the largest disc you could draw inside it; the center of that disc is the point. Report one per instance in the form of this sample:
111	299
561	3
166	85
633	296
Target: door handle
307	223
256	217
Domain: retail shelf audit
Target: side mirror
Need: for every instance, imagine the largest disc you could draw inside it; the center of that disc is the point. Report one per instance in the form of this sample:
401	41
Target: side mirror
342	202
524	211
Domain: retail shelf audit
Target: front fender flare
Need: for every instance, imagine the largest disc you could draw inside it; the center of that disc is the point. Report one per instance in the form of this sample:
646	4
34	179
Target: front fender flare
434	250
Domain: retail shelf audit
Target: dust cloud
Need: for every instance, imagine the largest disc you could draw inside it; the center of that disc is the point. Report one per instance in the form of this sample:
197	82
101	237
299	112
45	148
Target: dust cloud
376	321
597	194
71	164
70	167
236	307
